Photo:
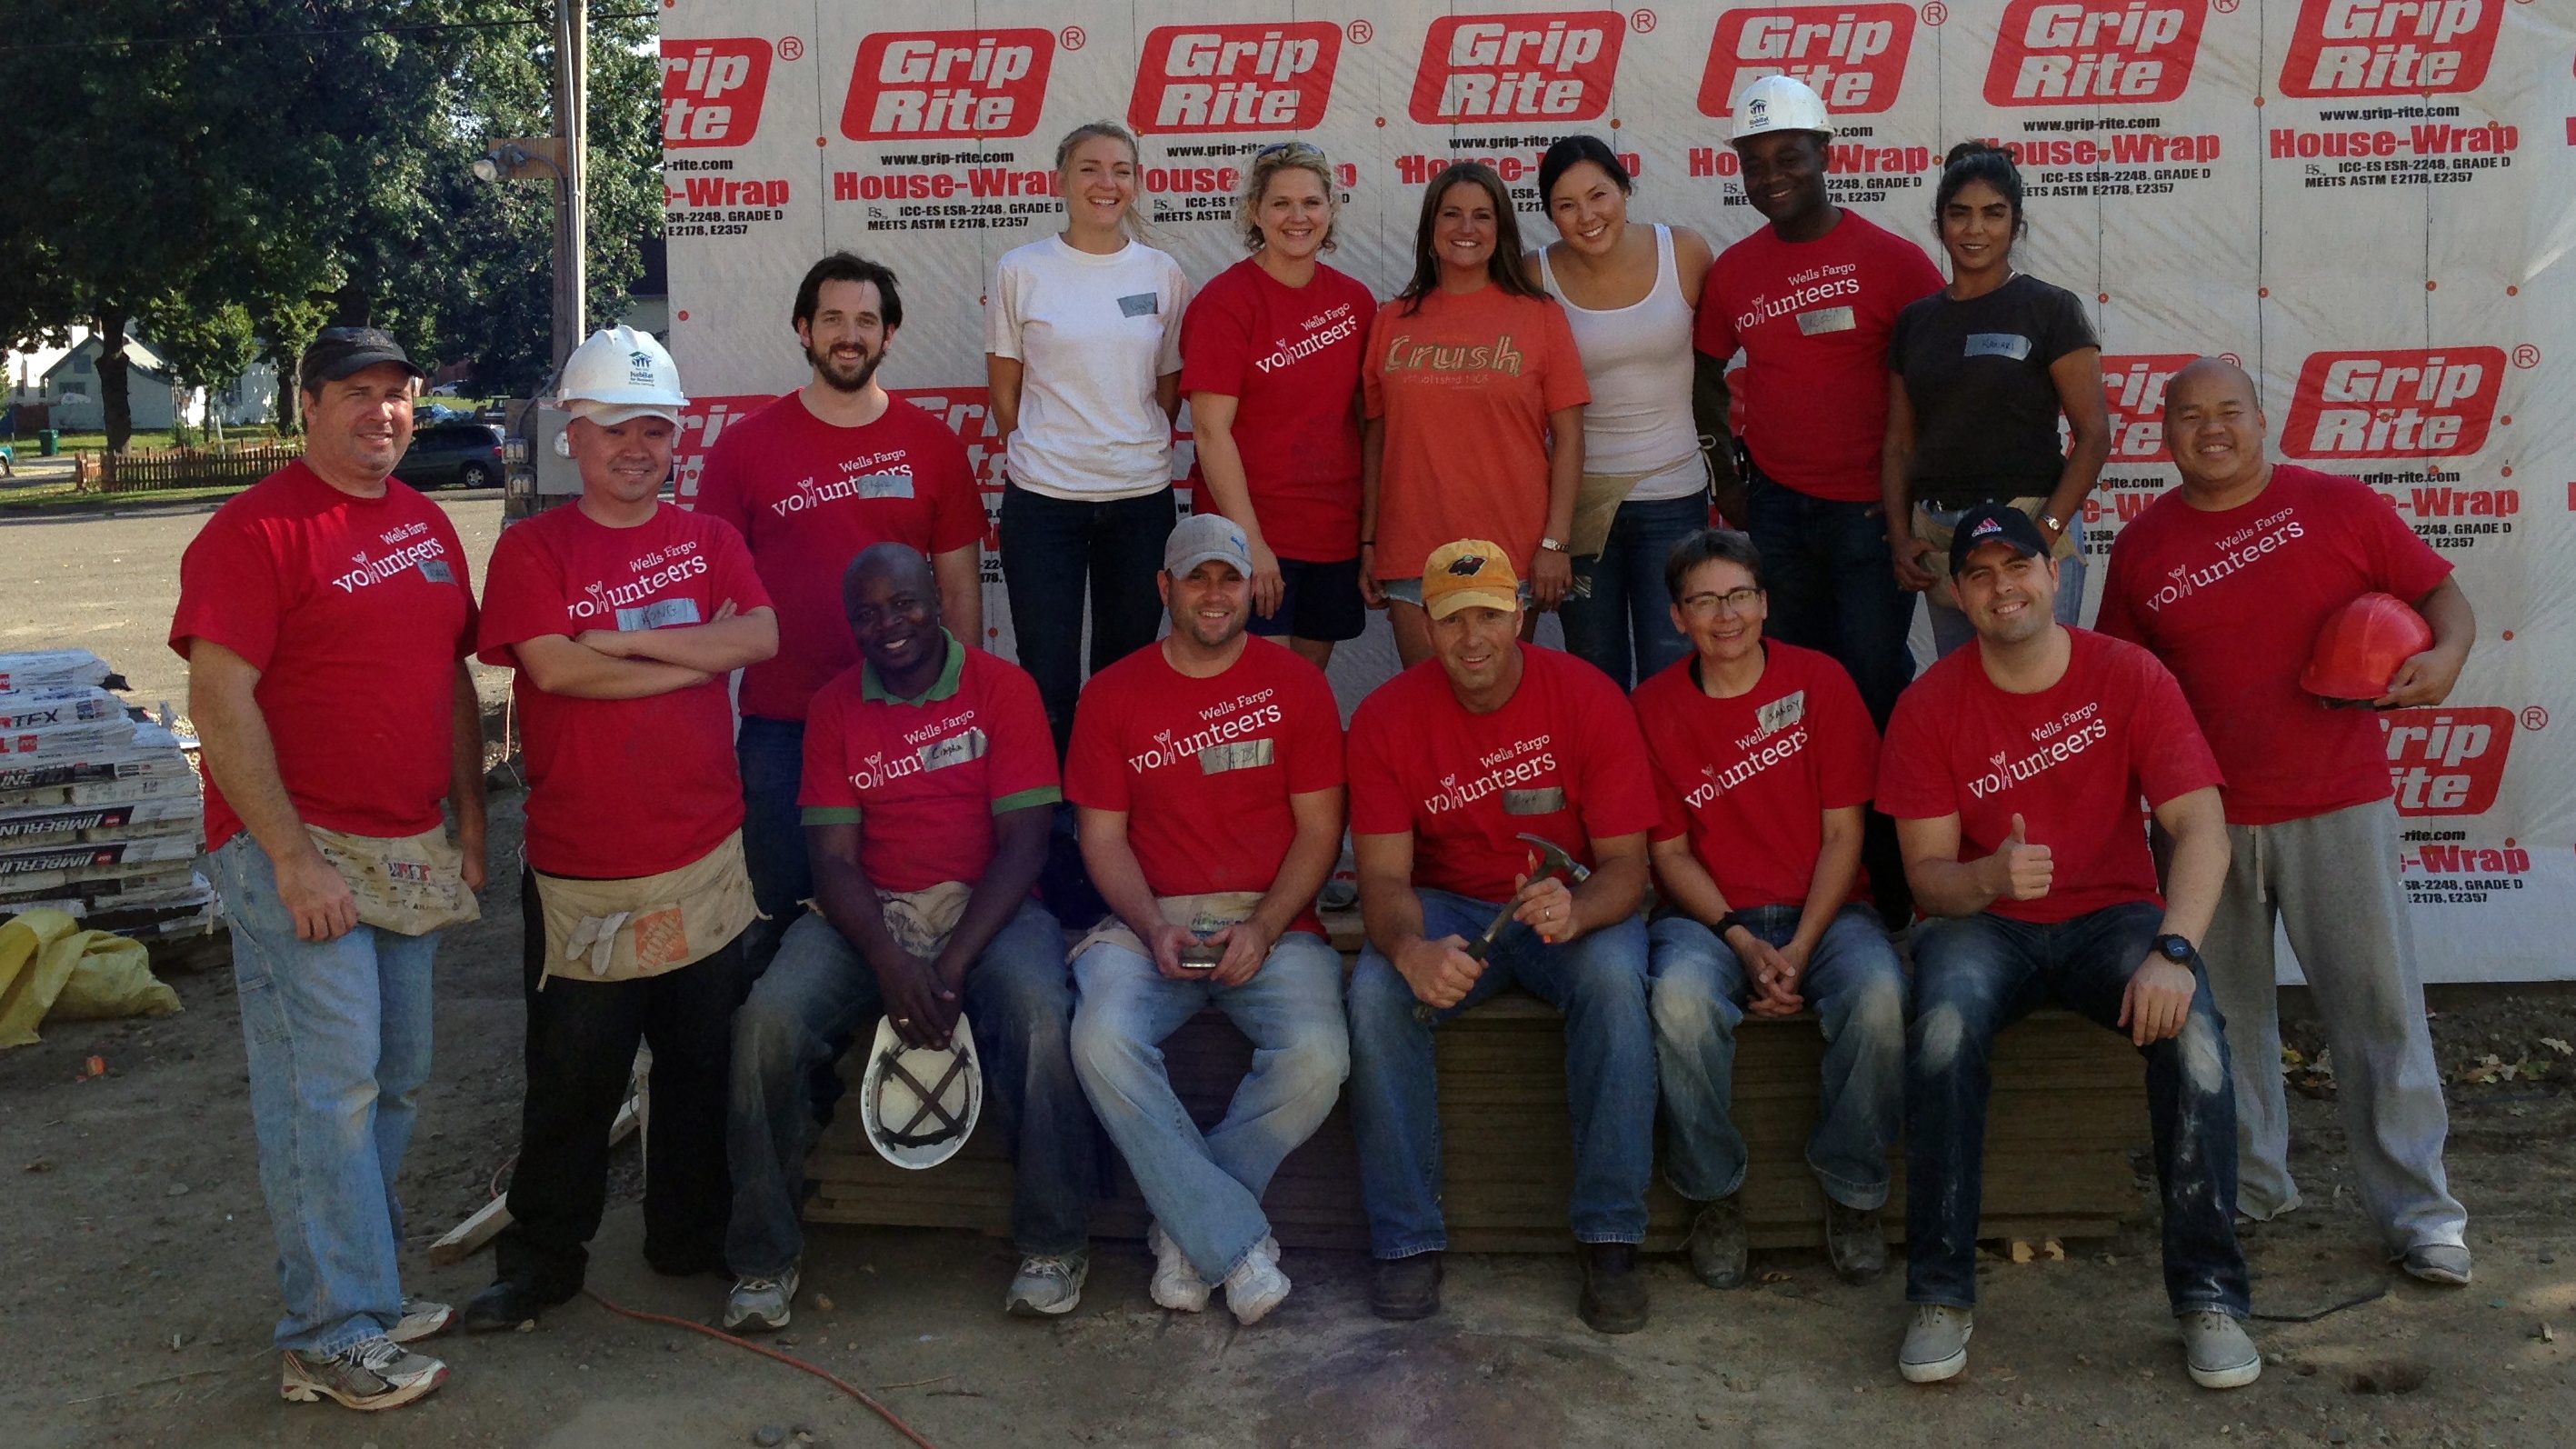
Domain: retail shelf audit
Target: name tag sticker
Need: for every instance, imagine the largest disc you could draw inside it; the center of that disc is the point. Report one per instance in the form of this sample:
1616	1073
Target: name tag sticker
1827	319
661	614
1546	800
1781	713
1143	304
954	750
886	485
1237	755
1999	344
436	571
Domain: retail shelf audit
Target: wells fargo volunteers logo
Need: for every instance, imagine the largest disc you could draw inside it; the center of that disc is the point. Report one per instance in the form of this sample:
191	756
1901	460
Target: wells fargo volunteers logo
1235	77
2050	53
2447	760
2390	47
933	83
1852	55
711	91
1536	67
2404	403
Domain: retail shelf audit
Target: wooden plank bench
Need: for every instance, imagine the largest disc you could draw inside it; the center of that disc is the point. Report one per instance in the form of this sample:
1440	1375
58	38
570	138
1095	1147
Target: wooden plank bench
2069	1106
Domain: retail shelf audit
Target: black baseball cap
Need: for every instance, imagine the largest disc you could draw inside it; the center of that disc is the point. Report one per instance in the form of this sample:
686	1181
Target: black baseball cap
339	352
1994	523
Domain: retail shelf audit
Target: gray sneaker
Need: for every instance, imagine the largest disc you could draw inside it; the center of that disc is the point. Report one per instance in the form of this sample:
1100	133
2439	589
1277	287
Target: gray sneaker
2443	1263
1048	1285
1936	1347
760	1305
2220	1354
371	1374
421	1319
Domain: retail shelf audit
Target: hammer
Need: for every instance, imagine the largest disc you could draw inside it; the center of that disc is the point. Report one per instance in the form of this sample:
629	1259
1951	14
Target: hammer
1551	859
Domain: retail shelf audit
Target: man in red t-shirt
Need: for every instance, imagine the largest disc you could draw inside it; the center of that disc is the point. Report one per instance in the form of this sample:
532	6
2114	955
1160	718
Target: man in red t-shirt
1763	760
930	784
325	614
1451	762
622	615
810	480
2025	750
1207	771
2229	579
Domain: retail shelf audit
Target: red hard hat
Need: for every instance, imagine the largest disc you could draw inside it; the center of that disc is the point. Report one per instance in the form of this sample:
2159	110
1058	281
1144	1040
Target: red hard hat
2360	648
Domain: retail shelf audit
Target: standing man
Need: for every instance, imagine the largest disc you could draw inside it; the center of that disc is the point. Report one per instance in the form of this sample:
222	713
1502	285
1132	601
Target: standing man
622	615
809	481
1208	773
930	782
325	615
2229	579
1764	759
1451	762
2028	749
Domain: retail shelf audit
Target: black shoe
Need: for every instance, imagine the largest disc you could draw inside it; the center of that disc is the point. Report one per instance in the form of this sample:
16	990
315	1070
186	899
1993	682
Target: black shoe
1855	1241
1719	1250
1614	1293
1406	1288
507	1304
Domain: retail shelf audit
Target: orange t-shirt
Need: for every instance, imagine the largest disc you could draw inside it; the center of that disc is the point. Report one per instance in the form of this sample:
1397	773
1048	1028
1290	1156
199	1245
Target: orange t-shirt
1465	386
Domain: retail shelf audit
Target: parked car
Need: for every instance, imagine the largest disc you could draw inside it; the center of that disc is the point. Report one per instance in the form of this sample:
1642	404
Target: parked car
425	413
448	389
452	452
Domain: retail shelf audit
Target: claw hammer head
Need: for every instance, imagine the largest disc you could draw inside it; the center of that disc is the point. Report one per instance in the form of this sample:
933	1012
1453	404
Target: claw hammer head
1552	858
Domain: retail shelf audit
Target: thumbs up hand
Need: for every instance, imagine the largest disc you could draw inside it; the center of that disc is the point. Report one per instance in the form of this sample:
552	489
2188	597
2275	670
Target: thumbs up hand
2019	870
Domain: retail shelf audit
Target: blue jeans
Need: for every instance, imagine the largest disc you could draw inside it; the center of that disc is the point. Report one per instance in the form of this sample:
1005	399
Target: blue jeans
771	753
1855	986
1825	563
1625	628
1976	975
1052	550
1950	628
1206	1189
1017	1003
1599	982
338	1035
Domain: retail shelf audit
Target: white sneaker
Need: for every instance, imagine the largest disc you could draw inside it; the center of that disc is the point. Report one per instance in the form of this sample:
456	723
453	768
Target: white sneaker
761	1305
1256	1285
1177	1285
376	1373
1048	1286
421	1319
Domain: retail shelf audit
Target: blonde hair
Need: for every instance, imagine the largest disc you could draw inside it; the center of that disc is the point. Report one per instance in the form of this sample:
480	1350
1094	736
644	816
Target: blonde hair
1133	219
1266	165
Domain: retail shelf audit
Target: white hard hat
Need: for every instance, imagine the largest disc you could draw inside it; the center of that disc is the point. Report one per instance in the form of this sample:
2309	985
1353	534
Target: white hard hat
919	1104
1780	103
621	373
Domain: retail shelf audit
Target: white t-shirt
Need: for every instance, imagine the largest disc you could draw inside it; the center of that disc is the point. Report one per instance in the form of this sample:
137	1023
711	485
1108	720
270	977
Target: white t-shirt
1093	333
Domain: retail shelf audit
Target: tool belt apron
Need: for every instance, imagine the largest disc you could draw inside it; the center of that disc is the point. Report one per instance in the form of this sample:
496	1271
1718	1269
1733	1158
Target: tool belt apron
410	885
1596	506
920	921
619	930
1939	534
1200	915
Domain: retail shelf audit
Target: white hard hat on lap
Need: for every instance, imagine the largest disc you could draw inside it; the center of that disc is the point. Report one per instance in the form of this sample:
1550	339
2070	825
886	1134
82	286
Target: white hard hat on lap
919	1104
618	374
1780	103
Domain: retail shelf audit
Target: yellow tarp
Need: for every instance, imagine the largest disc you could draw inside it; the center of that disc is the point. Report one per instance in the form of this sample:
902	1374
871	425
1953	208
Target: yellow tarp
49	966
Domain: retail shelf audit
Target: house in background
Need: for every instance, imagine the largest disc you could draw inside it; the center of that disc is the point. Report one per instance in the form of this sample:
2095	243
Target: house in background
64	381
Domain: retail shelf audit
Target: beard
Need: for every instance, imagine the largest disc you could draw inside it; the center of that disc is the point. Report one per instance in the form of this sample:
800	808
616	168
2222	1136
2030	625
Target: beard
839	380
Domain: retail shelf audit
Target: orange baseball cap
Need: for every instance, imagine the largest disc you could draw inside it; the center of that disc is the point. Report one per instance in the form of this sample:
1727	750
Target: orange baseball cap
1470	573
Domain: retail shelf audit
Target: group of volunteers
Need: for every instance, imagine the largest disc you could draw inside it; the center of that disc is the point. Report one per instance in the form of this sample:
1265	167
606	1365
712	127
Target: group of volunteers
1728	796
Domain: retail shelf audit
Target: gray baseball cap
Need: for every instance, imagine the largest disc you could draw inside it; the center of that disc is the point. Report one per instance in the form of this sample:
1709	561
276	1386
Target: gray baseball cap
1204	536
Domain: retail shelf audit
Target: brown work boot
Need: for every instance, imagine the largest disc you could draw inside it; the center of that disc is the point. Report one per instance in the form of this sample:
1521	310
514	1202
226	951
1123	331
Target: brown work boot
1614	1292
1855	1241
1405	1289
1719	1250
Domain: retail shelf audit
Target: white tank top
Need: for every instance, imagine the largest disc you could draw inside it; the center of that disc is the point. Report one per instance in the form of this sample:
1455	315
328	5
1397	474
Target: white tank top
1637	359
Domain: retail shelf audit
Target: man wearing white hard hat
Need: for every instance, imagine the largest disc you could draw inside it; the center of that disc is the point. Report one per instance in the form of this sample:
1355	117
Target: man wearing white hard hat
623	615
1812	299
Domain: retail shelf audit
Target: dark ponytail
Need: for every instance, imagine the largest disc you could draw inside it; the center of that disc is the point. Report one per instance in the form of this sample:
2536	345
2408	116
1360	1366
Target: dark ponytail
1570	152
1979	161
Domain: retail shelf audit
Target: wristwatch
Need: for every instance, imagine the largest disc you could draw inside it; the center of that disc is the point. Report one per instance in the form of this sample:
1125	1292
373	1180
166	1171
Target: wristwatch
2177	949
1730	921
2056	526
1552	545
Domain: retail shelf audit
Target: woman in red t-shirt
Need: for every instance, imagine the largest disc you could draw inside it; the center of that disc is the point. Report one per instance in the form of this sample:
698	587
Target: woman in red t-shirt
1270	361
1475	396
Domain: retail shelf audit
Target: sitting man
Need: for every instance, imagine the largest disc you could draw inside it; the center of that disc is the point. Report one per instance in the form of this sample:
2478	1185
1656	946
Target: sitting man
1764	757
930	782
1451	762
2033	742
1208	772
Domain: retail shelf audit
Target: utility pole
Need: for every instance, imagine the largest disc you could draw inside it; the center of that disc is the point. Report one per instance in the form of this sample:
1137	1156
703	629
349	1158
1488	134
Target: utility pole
572	125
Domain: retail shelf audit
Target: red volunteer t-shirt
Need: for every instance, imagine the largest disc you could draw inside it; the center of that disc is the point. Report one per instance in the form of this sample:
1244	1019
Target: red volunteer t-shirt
1203	768
355	611
620	788
1561	759
808	496
2071	760
1814	319
923	778
1748	779
2233	602
1290	357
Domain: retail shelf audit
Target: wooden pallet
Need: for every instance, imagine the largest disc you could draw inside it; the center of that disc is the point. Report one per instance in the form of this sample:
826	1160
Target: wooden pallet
2069	1106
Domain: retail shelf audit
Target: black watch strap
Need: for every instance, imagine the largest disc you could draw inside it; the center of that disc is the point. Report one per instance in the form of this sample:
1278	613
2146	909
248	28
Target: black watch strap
2173	947
1730	921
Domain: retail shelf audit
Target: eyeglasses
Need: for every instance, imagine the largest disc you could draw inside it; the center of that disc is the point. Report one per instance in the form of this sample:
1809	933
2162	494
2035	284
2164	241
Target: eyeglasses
1733	601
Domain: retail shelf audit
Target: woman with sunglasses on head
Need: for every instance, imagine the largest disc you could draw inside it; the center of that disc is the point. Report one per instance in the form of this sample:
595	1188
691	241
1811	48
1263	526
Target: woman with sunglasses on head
1630	295
1475	397
1270	361
1980	372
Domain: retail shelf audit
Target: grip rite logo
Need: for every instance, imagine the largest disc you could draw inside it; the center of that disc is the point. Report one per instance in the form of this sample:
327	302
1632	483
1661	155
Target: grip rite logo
1852	55
1537	67
2447	760
2412	403
2057	54
1234	77
711	91
2390	47
2134	389
934	83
